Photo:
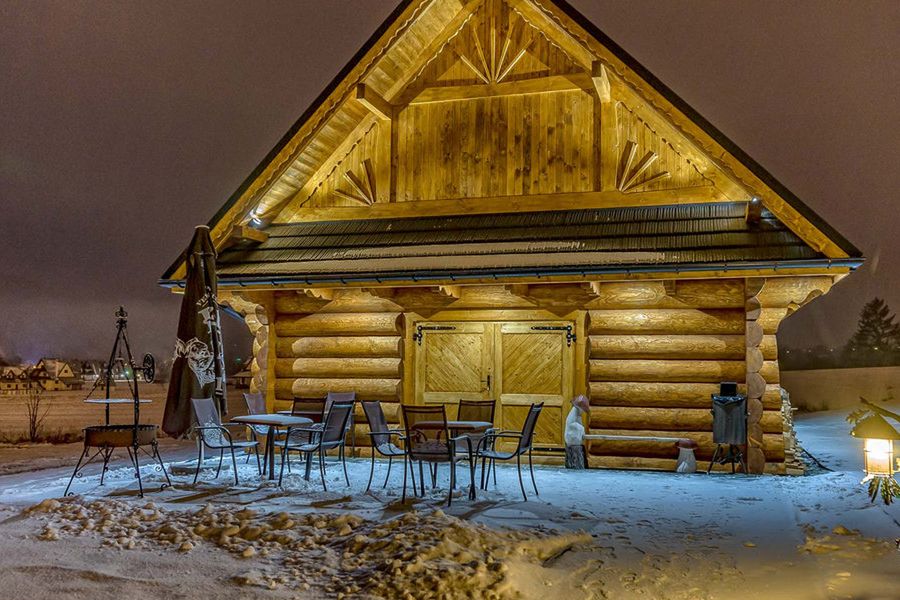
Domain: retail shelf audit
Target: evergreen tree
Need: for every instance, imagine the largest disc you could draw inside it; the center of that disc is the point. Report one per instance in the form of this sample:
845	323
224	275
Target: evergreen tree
877	337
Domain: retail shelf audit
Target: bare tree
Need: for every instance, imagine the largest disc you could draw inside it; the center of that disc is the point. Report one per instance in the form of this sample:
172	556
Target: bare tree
34	400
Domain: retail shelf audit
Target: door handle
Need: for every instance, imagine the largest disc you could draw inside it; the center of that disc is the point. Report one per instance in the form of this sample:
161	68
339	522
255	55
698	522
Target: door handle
487	383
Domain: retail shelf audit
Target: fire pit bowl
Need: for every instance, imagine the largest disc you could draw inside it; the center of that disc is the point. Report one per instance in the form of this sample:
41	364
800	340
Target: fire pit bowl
119	436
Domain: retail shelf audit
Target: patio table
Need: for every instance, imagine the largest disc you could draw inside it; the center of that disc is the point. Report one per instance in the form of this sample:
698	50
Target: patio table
456	427
272	421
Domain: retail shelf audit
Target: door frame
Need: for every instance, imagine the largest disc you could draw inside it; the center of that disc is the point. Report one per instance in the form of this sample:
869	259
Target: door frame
575	370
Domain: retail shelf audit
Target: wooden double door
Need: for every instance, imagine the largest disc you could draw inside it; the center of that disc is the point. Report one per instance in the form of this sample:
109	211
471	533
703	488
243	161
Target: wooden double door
513	363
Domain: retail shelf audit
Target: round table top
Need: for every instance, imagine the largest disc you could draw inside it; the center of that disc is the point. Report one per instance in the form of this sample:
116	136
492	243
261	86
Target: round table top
115	401
456	425
272	420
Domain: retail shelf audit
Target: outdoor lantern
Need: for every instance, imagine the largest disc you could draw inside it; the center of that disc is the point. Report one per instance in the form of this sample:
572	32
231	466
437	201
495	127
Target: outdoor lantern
879	438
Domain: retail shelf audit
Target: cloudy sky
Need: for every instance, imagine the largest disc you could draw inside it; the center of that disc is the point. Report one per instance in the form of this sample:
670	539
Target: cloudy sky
123	124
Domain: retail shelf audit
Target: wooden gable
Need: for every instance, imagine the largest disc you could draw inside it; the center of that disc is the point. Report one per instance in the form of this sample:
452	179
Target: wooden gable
483	106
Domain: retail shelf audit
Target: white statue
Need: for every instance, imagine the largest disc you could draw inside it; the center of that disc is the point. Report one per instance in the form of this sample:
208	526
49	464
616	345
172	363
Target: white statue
574	435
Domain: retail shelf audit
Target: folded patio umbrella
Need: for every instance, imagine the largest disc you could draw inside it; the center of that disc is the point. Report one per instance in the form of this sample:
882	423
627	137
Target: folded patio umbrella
198	370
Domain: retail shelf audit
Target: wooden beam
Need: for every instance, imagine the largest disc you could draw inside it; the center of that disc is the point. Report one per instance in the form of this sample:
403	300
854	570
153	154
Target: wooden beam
535	85
554	31
326	168
466	10
245	233
507	204
377	105
600	79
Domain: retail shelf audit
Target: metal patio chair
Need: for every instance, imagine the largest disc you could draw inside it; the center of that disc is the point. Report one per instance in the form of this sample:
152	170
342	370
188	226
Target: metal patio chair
256	405
487	452
328	435
476	410
428	440
381	435
215	435
331	397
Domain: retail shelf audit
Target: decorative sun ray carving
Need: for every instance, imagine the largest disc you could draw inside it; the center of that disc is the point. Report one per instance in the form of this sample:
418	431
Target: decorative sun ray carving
629	173
363	189
494	67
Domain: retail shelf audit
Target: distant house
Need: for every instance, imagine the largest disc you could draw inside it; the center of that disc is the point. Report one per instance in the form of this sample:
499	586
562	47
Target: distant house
241	380
57	375
15	380
48	374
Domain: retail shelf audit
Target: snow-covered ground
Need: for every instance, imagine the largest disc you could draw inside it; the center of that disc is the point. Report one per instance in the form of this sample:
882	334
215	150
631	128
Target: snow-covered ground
594	534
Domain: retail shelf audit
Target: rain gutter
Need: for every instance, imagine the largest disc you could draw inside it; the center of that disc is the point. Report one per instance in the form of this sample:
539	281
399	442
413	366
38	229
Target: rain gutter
584	273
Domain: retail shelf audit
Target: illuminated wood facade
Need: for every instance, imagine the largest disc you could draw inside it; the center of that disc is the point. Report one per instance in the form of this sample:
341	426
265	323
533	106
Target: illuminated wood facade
493	200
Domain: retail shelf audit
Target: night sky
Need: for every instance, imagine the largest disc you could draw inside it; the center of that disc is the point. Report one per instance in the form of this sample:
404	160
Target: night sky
124	124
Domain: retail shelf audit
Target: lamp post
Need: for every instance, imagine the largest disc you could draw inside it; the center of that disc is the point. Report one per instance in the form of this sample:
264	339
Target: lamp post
878	446
878	436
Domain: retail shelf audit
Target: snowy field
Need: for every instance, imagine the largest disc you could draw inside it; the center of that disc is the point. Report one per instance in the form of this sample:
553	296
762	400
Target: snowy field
594	534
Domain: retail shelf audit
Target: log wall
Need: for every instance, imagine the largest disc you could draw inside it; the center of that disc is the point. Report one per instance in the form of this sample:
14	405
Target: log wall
654	353
351	341
657	353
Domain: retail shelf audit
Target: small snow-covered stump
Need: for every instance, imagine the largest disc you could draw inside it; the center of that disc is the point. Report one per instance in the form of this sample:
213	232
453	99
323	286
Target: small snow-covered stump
574	436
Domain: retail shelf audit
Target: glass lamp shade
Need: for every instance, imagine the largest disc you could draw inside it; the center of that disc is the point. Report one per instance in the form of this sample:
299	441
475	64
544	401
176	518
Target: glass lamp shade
879	438
879	457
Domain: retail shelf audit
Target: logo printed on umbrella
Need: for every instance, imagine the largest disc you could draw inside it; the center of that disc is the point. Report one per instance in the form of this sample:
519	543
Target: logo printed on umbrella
200	359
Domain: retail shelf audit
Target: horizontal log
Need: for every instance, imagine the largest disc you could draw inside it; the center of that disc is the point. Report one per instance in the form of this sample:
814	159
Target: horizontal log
667	346
770	372
665	464
771	398
674	395
667	320
335	324
375	346
384	368
774	443
782	292
668	419
366	389
302	301
770	319
769	347
727	293
695	371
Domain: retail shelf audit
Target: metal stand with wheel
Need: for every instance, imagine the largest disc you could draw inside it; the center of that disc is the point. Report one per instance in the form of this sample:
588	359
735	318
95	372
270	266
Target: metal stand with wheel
104	439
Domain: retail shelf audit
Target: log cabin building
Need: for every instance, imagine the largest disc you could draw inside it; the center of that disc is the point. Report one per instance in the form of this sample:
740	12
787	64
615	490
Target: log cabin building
494	200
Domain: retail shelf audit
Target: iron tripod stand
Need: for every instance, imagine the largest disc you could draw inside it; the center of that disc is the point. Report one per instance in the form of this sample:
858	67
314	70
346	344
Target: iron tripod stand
106	438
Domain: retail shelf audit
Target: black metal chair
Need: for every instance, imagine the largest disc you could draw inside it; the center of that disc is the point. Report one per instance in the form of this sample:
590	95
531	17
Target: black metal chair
215	435
476	410
487	452
330	434
311	408
381	435
256	405
428	440
332	397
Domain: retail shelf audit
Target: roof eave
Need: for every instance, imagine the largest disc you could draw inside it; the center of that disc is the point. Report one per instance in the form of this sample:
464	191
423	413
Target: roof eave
819	265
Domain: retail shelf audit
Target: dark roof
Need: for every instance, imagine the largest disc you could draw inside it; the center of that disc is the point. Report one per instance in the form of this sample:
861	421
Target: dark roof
667	236
613	47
